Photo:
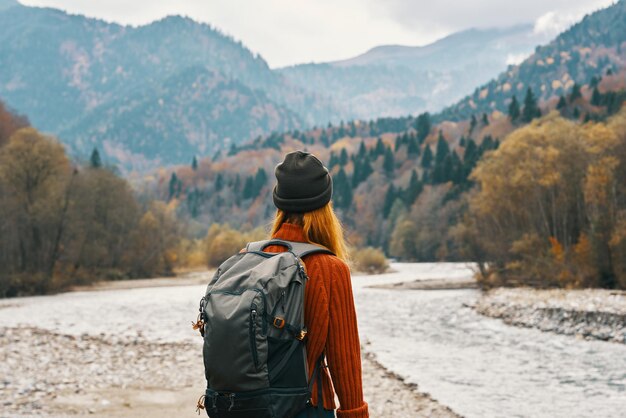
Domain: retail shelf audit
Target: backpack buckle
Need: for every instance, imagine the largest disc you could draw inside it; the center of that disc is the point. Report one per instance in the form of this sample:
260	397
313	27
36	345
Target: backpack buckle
279	322
302	334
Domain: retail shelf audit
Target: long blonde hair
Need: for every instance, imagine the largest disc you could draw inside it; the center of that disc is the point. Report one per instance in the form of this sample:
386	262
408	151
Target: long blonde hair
320	226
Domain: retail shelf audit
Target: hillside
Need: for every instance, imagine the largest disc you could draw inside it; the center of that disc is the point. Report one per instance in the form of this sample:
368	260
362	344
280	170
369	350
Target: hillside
392	169
590	48
67	72
399	80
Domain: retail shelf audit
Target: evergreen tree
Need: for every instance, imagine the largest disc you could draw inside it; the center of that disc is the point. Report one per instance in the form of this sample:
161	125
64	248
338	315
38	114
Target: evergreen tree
248	188
413	148
596	97
95	161
462	141
423	126
485	120
514	110
173	186
575	93
380	147
332	161
414	189
390	197
389	163
362	150
343	157
398	143
324	139
456	173
260	179
219	182
194	163
531	109
342	189
562	104
443	149
473	123
427	157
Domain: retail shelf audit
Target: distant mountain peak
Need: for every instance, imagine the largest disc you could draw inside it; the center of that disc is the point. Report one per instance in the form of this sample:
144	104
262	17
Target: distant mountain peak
5	4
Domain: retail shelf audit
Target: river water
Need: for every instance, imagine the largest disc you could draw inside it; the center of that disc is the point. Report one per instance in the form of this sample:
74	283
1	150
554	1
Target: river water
478	366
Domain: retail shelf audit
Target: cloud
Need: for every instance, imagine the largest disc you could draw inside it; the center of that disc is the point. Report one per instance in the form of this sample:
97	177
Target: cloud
286	32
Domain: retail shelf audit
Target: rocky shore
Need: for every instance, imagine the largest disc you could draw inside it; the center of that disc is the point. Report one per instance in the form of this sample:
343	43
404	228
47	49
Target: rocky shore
46	374
589	313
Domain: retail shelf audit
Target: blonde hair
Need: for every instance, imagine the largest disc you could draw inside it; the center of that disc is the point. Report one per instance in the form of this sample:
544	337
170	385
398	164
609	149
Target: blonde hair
321	226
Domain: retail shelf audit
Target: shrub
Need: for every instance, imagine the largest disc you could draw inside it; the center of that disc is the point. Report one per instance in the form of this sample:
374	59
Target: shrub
369	260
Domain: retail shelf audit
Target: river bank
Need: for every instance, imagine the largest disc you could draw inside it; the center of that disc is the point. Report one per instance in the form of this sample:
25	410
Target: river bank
54	375
588	313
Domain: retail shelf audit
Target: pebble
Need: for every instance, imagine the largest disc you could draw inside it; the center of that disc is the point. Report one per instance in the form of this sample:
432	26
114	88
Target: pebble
38	365
588	313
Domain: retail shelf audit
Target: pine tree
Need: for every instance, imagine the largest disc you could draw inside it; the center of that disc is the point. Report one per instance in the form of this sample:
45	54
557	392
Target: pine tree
443	149
423	126
575	93
332	161
173	186
389	163
390	197
456	174
260	179
398	143
562	104
362	150
380	147
343	190
248	188
414	189
485	120
473	123
531	109
194	163
596	97
219	182
343	157
95	161
514	110
413	148
427	157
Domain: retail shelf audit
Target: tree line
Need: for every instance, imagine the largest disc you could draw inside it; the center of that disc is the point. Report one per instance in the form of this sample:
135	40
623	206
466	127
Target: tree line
64	223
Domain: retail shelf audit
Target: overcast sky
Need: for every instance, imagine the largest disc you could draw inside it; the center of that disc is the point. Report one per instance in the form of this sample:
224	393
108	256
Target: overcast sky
288	32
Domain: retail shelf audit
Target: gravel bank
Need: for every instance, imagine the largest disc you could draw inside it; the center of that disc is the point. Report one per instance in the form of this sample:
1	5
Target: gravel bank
589	313
52	375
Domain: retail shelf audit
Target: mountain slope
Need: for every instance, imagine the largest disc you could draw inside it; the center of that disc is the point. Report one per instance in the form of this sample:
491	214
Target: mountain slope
588	49
193	112
400	80
68	71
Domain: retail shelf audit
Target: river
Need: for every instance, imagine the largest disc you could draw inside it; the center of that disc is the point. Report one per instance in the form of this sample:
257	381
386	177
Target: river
478	366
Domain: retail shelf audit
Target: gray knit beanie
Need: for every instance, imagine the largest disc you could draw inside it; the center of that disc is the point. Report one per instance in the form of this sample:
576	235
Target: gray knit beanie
303	183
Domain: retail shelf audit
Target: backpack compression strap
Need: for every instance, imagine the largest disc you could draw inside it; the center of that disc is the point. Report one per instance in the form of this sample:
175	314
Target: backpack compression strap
299	249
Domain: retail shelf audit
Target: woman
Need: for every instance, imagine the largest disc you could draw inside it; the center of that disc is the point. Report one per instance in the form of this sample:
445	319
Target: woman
305	214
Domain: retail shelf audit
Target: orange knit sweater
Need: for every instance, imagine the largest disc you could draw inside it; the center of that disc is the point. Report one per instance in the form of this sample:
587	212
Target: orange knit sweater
330	319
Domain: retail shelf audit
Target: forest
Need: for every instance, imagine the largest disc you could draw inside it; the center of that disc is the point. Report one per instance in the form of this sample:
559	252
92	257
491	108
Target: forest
63	223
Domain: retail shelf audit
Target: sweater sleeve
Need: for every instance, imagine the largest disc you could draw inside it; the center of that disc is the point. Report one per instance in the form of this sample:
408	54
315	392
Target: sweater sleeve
343	346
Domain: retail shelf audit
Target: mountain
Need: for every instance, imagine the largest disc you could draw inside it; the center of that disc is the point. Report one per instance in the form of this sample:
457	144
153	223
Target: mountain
399	80
591	48
94	82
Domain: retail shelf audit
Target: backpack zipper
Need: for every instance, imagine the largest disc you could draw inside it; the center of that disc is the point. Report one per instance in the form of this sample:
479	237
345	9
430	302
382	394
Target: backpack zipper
252	333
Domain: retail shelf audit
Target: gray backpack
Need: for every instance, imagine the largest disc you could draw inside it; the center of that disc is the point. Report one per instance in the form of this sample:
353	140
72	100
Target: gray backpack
252	321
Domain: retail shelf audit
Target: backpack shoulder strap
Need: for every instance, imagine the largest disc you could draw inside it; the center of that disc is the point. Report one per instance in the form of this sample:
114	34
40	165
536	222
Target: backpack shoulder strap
299	249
